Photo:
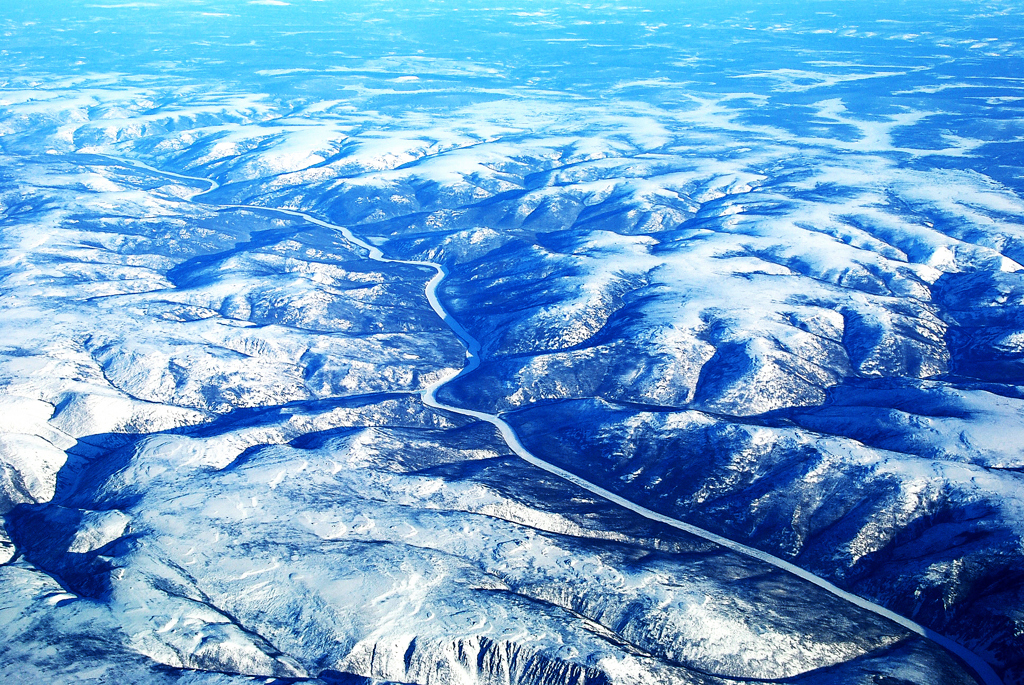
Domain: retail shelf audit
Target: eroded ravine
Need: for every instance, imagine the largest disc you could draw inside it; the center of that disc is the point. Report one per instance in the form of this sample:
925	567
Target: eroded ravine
981	668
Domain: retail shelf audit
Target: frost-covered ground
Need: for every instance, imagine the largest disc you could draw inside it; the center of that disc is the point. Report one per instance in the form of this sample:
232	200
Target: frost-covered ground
755	267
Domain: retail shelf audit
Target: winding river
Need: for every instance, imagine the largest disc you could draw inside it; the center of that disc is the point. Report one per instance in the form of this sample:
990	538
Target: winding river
982	669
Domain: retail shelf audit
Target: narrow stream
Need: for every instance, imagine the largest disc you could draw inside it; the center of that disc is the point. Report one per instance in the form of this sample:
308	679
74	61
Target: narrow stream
981	668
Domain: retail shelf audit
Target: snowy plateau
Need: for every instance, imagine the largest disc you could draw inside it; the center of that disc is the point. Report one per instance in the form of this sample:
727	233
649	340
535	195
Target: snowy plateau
539	343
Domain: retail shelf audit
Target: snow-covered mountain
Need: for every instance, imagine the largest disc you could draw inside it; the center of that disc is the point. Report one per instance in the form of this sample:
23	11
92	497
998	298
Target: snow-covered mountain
758	271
